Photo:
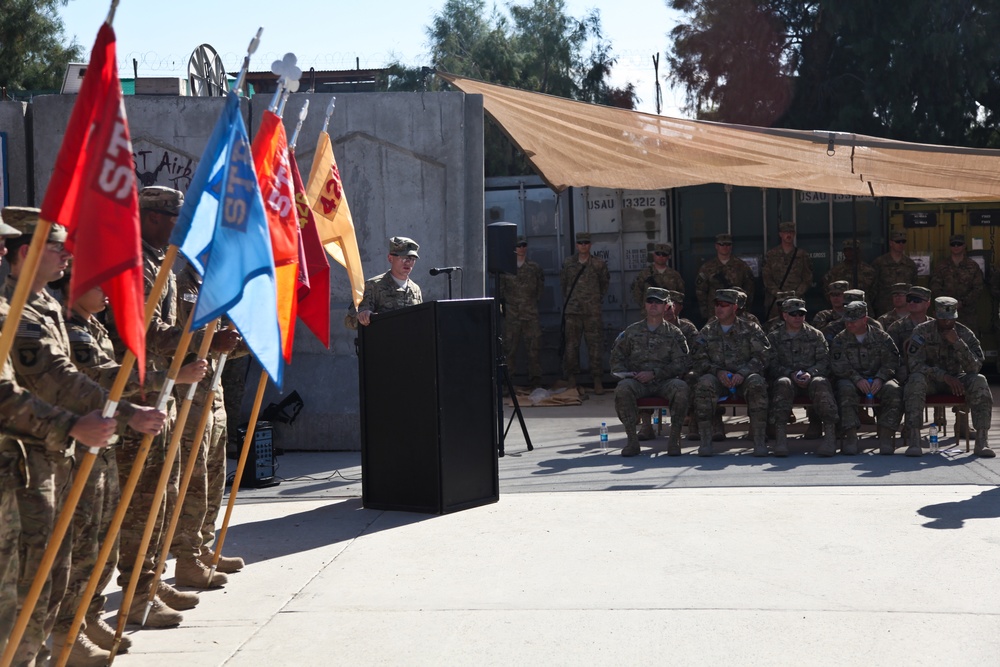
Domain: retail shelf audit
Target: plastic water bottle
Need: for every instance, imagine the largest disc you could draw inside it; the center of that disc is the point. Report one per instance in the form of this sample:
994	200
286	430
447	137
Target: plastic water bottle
869	398
604	435
663	415
656	417
934	439
732	390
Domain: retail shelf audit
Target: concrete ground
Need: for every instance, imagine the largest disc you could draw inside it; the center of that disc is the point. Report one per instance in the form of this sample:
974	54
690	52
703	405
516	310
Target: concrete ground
590	558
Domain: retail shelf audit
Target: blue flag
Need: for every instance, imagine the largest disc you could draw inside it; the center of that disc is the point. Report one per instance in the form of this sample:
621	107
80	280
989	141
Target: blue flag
222	230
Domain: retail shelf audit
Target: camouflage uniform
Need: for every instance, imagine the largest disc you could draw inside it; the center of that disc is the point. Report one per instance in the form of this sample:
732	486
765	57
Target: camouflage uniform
805	351
825	317
900	332
521	294
714	275
887	318
41	356
650	276
383	294
852	361
845	271
963	281
745	350
662	351
931	358
583	312
889	272
799	276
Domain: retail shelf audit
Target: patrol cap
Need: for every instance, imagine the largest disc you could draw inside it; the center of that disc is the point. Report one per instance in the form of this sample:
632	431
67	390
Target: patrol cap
675	296
741	297
728	294
794	306
664	247
7	231
853	295
657	293
403	247
946	308
897	235
957	238
160	198
901	288
786	227
855	310
522	239
918	291
724	238
24	219
838	287
851	244
583	237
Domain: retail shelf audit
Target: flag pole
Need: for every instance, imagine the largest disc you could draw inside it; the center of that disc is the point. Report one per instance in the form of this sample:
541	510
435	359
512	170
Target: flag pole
20	296
185	482
244	455
161	485
329	114
298	126
80	476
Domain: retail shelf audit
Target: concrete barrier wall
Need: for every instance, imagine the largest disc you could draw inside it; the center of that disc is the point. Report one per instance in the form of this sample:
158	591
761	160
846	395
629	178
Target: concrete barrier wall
13	125
412	165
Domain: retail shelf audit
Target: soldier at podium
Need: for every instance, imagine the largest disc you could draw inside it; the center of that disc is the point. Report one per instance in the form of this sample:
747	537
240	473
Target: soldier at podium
393	289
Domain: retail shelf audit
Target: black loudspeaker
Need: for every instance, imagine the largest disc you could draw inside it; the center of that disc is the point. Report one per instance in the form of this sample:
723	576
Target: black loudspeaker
501	237
428	408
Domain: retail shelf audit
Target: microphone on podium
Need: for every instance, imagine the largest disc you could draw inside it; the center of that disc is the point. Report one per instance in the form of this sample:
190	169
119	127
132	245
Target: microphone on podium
445	269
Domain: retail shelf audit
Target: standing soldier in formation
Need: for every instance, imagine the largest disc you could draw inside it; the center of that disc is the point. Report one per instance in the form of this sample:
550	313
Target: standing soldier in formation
722	272
865	360
584	279
893	267
786	269
835	296
853	269
657	274
651	357
800	362
42	362
899	308
521	293
391	290
960	278
729	356
945	357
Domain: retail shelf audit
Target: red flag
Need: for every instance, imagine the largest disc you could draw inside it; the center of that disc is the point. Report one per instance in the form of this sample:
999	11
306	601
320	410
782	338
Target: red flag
314	296
270	158
92	193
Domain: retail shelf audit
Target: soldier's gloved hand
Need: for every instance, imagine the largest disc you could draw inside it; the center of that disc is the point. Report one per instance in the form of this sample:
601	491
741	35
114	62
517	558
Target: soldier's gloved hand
147	420
365	317
193	372
225	340
93	430
954	385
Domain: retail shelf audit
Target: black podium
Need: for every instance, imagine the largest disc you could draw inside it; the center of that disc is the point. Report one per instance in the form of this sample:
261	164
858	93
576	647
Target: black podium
428	408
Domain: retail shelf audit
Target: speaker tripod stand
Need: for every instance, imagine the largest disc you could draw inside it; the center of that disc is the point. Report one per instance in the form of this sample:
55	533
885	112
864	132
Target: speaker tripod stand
503	380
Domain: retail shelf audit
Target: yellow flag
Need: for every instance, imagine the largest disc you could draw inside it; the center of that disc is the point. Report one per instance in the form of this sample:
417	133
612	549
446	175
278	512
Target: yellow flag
325	192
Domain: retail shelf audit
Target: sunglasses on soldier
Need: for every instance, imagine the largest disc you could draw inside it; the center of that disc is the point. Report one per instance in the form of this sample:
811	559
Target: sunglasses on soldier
914	299
660	253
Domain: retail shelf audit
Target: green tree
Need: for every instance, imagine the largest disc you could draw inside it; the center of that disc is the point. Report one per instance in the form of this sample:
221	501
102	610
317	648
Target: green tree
917	71
33	52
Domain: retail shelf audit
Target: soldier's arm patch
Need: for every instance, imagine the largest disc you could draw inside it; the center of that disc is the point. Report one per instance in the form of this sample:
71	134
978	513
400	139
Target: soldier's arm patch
28	356
27	329
700	340
81	353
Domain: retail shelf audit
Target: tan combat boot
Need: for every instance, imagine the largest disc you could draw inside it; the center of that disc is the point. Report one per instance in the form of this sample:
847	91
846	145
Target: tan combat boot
674	444
102	634
759	439
829	445
718	428
632	448
962	429
160	615
598	386
175	599
913	442
84	653
781	440
705	431
814	431
227	564
195	574
850	446
983	445
646	426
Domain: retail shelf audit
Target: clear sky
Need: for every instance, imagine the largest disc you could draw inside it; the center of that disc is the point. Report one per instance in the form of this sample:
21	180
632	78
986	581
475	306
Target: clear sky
337	35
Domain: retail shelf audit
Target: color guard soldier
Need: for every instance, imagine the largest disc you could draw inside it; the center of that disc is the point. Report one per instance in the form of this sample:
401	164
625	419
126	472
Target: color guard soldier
786	269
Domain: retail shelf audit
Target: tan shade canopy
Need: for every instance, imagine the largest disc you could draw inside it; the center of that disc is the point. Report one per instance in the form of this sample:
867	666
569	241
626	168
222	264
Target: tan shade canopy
577	144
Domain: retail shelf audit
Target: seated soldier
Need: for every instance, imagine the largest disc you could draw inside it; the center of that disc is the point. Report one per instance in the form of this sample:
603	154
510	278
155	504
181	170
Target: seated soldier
730	355
899	309
864	360
944	356
800	360
835	295
651	357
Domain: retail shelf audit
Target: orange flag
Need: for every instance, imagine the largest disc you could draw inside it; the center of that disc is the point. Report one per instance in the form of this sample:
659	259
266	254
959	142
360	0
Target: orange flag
325	192
270	158
314	296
